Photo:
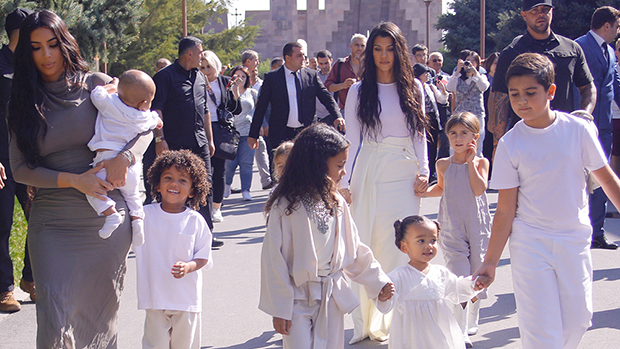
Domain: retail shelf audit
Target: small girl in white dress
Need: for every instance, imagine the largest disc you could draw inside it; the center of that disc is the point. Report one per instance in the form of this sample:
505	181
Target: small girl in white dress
425	293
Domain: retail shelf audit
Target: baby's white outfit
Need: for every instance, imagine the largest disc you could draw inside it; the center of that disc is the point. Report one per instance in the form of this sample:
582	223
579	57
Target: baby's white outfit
173	306
422	304
550	239
117	124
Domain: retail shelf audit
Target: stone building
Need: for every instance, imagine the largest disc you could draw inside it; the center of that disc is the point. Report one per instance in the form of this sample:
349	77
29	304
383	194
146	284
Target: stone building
332	27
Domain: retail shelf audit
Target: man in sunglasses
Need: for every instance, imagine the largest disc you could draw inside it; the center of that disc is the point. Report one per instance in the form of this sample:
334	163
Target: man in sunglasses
567	56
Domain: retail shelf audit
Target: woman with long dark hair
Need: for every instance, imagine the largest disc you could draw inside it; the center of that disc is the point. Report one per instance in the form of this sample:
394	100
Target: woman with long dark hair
387	109
79	276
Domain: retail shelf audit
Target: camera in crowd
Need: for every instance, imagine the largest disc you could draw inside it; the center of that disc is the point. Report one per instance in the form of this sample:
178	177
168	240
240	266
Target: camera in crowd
467	67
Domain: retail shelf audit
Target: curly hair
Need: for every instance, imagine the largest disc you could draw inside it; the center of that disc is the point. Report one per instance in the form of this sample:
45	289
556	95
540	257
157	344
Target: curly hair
410	97
25	111
182	160
401	226
306	170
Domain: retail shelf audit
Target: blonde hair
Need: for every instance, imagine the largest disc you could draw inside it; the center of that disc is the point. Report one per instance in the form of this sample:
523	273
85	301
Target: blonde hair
283	149
467	119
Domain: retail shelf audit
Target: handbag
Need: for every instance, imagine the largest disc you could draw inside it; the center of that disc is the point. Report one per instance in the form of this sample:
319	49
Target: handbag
225	136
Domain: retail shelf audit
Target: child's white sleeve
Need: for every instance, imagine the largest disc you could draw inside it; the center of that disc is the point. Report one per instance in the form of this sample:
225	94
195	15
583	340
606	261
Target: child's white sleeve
276	289
459	289
101	98
592	153
387	306
505	174
202	243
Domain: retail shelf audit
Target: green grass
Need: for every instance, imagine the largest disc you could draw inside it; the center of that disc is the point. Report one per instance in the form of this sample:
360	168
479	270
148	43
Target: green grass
18	241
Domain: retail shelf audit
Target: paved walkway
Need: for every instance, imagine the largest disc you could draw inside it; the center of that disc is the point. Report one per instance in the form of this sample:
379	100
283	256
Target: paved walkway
231	318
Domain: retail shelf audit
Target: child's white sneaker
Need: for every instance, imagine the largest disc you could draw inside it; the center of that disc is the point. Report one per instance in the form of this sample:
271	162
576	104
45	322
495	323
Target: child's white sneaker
112	222
137	232
216	215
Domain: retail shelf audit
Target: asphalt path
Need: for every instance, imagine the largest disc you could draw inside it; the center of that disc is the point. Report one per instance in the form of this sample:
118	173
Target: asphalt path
231	318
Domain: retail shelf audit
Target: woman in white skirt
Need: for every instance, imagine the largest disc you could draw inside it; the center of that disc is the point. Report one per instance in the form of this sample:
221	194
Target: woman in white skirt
386	127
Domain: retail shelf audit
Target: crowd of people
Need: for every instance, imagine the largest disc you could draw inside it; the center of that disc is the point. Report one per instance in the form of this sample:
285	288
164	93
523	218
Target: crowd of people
348	148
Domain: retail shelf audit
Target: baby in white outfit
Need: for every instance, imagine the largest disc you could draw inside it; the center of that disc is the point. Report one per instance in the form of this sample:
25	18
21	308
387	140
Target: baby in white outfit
124	113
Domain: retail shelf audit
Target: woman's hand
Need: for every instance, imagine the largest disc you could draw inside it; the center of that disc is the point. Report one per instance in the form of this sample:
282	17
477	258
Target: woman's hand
89	184
281	326
459	65
420	185
116	169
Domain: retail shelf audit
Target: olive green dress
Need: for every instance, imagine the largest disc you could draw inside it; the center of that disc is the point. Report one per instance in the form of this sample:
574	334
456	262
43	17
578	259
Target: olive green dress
79	276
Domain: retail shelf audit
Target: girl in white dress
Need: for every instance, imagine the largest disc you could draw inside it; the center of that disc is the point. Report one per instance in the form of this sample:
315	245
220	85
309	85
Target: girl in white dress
311	244
425	293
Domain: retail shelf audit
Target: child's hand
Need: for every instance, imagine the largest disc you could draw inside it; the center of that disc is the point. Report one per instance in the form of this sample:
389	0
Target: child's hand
180	269
470	155
386	292
420	185
160	124
112	86
281	326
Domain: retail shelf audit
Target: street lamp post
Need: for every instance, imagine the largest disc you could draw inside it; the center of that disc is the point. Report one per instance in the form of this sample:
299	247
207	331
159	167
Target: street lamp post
482	28
428	23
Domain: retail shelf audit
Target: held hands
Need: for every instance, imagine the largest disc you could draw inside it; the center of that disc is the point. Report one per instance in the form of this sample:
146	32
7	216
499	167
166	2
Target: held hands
253	143
420	185
160	123
386	292
116	170
281	326
484	276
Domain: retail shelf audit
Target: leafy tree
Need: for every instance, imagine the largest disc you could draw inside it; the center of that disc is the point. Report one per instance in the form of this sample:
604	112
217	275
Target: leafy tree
160	33
504	22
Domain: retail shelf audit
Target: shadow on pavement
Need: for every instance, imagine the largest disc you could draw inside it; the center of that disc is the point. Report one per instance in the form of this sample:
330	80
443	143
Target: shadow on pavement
607	274
264	340
606	319
501	309
497	339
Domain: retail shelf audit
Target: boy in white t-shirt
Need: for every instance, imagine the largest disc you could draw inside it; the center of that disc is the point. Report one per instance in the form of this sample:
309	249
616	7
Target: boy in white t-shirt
124	113
169	264
539	169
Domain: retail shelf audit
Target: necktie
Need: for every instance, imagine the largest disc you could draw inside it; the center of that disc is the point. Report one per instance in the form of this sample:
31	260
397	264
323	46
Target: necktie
298	91
605	52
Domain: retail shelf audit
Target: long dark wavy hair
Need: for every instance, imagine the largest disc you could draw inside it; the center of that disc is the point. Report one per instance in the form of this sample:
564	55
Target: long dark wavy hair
306	171
410	97
25	115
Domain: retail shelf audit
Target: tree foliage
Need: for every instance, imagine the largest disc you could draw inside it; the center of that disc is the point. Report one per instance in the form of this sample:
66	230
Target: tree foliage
503	22
161	31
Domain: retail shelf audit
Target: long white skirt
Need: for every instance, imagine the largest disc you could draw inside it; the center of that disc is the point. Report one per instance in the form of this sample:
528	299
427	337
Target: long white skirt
382	192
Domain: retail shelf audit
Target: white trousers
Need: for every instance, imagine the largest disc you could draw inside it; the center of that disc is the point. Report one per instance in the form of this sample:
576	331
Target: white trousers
130	191
552	281
171	329
301	333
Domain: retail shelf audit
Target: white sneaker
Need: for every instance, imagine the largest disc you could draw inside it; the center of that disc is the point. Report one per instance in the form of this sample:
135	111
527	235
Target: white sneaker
246	195
216	216
227	191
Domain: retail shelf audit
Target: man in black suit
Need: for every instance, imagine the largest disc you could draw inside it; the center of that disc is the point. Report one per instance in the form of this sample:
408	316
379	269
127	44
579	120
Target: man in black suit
292	92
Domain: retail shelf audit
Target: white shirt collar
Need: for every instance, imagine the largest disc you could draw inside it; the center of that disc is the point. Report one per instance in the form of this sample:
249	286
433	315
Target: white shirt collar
287	71
599	39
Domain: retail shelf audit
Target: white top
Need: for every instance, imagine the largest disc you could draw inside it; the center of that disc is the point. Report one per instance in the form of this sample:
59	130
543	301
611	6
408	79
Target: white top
293	114
324	245
258	84
117	123
422	304
169	238
480	80
393	124
243	120
217	91
547	165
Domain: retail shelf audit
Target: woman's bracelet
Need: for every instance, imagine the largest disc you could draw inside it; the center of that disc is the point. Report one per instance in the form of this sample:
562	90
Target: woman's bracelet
129	156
